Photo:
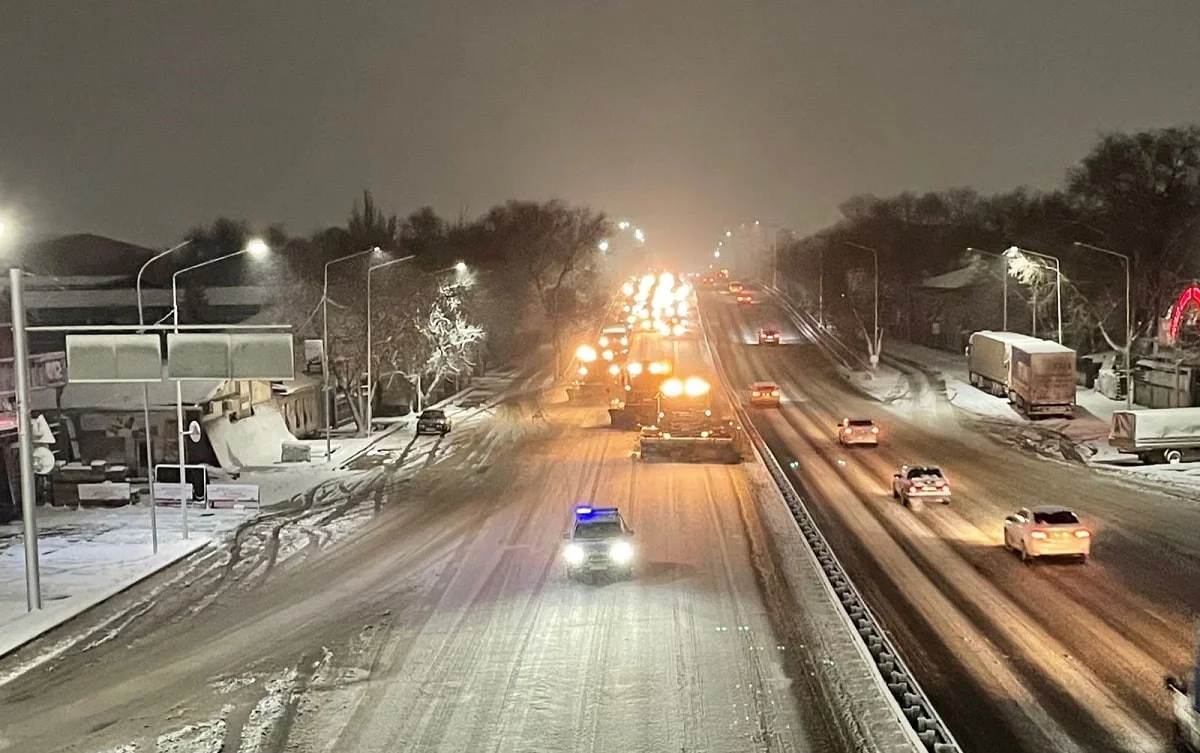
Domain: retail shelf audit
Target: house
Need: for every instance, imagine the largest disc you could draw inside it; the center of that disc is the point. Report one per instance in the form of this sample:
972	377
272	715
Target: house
947	308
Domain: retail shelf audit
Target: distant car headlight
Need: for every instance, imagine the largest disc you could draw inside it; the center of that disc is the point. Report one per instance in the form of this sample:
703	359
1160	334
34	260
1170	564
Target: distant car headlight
621	553
573	554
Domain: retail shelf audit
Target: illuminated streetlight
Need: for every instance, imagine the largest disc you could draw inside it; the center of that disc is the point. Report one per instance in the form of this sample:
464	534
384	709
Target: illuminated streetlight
717	254
728	233
623	225
257	248
639	235
603	245
460	267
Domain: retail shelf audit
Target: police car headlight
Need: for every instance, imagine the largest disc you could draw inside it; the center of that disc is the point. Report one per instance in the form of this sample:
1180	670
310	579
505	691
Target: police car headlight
621	552
573	554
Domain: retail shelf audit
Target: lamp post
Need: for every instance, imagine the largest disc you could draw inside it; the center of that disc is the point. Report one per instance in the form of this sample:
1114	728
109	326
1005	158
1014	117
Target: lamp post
369	412
875	256
325	343
1004	279
1014	252
255	248
1128	262
146	399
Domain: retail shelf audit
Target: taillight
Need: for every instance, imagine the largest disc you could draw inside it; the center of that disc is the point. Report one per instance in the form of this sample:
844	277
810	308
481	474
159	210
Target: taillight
1038	535
1082	534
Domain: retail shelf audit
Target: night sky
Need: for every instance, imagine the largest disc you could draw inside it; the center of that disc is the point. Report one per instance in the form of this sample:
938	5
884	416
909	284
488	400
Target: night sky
140	119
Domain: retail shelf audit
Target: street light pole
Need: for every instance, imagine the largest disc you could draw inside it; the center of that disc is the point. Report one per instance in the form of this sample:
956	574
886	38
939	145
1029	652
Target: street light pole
369	412
1014	251
325	344
33	584
1128	262
146	400
875	256
256	248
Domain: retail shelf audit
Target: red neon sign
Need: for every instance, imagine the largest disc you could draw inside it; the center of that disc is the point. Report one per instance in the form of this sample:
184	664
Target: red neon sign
1189	297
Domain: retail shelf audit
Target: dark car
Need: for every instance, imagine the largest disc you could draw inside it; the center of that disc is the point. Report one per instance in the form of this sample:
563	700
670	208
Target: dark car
433	421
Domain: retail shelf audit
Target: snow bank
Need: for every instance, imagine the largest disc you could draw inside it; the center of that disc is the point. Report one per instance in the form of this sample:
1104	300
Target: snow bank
256	440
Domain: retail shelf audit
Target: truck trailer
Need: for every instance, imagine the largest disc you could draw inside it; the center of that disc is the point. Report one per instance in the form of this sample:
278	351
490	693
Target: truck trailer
989	360
1164	434
1043	379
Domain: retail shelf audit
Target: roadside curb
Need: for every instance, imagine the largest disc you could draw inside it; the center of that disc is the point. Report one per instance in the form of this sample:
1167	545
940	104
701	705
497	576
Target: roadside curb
33	625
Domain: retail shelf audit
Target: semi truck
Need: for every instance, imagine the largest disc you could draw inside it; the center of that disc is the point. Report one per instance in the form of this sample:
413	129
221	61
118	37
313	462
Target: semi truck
989	360
1043	379
1164	434
1037	376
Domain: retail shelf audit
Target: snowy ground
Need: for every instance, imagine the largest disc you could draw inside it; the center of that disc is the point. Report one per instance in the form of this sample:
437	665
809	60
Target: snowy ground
86	555
914	379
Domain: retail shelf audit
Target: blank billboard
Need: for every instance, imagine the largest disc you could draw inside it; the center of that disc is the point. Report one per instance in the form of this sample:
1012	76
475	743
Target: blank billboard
114	358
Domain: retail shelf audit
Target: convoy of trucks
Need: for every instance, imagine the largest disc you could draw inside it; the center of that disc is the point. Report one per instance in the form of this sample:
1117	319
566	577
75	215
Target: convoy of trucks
1037	376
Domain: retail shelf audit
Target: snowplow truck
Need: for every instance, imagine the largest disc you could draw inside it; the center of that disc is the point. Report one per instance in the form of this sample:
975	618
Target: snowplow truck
687	428
638	406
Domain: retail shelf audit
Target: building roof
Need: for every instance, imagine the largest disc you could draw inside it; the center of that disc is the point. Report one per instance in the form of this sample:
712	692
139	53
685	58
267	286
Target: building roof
963	277
84	255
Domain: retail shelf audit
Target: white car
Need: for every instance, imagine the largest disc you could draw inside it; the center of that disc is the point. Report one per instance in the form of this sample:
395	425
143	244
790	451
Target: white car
852	431
1047	531
915	484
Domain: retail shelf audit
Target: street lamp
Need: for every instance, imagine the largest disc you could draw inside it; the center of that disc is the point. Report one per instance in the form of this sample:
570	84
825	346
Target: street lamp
875	256
255	248
623	225
325	343
146	398
1128	318
602	245
1004	277
370	350
639	236
717	254
1014	252
460	267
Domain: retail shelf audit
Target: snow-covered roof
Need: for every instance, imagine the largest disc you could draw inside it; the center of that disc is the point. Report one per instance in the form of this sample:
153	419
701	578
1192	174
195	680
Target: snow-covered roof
964	277
1006	337
1041	346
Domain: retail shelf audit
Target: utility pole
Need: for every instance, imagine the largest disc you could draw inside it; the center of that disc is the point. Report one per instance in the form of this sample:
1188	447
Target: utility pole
33	584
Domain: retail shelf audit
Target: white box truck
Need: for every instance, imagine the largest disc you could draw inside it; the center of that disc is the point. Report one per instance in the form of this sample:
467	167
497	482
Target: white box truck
989	361
1164	434
1043	379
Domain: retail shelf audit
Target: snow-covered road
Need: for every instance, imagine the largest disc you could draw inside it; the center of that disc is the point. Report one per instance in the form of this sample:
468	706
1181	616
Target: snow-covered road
1051	657
446	622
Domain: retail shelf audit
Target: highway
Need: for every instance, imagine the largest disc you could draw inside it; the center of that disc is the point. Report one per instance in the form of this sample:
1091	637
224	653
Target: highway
1047	657
448	624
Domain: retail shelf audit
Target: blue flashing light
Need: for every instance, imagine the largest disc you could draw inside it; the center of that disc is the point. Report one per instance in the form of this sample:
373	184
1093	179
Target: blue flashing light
583	510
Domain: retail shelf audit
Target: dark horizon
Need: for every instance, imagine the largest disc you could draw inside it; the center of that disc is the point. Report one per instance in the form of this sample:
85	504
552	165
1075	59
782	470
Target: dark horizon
139	122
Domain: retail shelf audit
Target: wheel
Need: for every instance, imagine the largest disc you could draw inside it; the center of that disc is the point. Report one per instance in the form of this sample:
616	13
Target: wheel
1174	457
1007	546
1025	554
895	494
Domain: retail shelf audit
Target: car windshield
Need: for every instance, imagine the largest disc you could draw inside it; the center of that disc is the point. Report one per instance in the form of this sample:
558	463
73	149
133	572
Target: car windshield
924	473
1056	518
861	422
432	413
600	529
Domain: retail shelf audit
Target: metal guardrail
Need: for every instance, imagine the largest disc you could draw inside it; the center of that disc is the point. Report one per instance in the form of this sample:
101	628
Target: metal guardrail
912	702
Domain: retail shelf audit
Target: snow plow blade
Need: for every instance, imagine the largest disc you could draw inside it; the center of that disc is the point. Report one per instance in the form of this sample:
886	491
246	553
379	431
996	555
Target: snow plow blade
620	418
689	450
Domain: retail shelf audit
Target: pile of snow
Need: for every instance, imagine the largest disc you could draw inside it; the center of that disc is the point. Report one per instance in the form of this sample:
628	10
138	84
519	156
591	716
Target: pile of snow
203	737
256	440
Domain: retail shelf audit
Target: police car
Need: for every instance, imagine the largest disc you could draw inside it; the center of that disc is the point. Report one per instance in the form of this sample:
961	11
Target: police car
598	542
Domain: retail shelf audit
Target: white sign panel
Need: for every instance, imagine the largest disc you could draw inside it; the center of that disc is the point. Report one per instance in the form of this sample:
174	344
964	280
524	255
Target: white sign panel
109	491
